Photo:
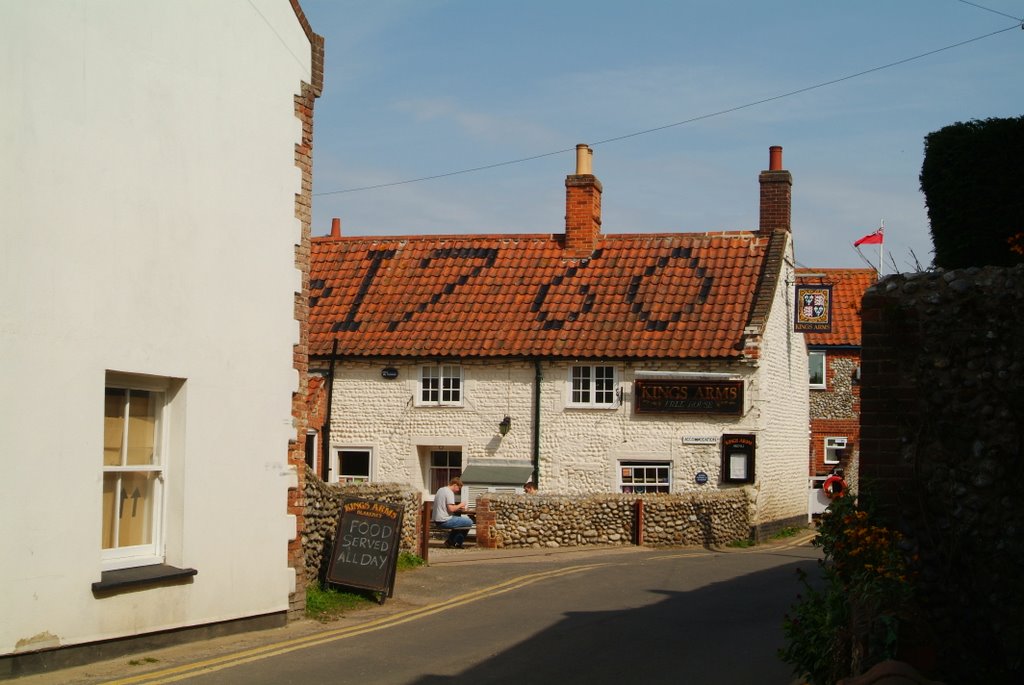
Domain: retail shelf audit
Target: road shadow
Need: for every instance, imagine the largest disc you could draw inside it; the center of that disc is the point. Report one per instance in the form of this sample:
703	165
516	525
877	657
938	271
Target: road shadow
723	633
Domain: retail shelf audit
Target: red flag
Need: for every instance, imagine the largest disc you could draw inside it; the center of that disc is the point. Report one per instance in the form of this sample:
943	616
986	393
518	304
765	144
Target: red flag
872	238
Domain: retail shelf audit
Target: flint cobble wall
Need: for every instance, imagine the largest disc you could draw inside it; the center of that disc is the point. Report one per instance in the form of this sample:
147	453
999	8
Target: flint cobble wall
323	502
713	518
942	429
716	517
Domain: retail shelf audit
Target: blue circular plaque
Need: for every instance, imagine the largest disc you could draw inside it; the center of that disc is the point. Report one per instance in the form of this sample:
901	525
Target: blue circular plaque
701	478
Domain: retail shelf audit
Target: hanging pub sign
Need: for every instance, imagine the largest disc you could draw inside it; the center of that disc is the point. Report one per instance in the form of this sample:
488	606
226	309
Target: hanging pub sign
696	396
813	309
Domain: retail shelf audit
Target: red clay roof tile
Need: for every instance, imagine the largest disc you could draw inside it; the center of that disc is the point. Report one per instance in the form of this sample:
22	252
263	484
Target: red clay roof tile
637	296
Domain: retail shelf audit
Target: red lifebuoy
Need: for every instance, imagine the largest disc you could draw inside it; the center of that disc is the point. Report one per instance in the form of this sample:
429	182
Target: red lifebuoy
834	486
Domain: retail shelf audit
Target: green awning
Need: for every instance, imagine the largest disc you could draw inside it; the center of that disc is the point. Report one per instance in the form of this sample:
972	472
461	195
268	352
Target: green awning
497	473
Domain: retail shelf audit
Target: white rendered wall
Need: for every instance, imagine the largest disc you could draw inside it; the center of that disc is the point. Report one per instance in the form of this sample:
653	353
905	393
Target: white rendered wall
579	448
782	446
382	415
147	225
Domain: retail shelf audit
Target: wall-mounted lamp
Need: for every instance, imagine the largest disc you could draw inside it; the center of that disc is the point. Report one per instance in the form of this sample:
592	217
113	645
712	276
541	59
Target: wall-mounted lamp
505	424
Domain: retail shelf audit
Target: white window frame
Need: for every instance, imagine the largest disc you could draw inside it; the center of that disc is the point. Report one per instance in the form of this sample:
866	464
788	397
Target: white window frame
427	464
811	354
315	466
833	445
444	384
649	482
337	476
583	390
115	558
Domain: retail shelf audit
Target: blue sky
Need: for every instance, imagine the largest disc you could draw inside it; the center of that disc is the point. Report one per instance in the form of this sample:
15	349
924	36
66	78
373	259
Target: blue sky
420	88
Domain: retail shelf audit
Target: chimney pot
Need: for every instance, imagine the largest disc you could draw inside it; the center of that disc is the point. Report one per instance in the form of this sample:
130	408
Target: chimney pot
584	160
335	227
775	158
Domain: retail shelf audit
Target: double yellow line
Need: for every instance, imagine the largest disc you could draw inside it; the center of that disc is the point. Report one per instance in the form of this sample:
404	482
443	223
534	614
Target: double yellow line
176	673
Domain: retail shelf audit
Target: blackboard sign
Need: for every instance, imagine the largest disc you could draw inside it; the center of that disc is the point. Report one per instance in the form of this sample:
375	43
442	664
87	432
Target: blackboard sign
366	545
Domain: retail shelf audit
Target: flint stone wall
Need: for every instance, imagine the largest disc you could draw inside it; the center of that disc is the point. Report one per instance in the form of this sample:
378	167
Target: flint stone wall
838	401
323	502
713	518
942	429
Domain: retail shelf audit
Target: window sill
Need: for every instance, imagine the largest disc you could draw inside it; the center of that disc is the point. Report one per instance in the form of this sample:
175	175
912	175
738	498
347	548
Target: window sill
141	576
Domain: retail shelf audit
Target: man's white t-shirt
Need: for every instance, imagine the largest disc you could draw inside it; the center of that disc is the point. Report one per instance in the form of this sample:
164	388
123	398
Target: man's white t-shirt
442	499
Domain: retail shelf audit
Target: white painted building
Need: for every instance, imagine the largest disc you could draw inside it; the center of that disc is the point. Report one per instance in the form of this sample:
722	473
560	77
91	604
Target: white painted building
149	226
623	363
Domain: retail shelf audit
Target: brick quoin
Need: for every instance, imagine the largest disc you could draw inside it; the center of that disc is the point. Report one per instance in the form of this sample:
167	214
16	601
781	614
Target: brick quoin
303	108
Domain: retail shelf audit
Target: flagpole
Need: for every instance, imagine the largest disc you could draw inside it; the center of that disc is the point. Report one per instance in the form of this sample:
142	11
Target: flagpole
881	245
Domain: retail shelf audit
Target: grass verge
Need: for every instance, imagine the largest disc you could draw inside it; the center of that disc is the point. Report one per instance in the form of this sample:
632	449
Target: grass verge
327	604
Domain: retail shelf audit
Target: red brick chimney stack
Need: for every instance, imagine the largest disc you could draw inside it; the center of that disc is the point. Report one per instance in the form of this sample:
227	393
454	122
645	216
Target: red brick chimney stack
335	227
582	206
776	194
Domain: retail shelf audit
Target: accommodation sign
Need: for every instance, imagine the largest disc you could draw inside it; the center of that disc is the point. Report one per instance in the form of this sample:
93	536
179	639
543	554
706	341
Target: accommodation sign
672	396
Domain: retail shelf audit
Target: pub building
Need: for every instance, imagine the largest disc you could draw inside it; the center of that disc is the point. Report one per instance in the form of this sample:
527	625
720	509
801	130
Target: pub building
590	361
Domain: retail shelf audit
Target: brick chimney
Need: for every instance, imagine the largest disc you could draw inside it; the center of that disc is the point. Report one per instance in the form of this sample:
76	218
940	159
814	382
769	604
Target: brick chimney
776	194
582	206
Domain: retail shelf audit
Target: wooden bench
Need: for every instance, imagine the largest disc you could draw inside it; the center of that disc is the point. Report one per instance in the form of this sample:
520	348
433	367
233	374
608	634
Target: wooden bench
436	529
433	531
439	532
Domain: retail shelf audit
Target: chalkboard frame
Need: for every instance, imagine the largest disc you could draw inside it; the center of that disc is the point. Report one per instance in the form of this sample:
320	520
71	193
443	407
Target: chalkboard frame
353	514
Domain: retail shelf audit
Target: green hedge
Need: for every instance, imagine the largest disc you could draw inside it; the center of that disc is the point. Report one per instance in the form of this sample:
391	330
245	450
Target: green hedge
972	179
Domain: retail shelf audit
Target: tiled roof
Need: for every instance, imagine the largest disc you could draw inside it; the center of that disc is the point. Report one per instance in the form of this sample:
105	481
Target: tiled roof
637	296
848	286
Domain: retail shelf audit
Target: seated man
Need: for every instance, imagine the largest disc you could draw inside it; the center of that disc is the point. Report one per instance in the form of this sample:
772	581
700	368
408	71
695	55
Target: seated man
445	510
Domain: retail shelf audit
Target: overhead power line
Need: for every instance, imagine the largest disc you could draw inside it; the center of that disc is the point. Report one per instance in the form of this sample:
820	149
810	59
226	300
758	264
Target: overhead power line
691	120
989	9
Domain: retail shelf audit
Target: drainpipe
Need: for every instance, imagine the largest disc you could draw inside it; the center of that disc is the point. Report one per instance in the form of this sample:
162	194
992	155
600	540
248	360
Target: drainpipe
326	430
537	378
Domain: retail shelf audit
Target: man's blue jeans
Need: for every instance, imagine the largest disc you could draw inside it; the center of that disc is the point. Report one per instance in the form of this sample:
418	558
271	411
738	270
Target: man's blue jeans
455	536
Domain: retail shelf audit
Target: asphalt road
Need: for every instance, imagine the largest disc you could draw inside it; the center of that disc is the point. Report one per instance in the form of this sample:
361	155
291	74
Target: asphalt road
628	615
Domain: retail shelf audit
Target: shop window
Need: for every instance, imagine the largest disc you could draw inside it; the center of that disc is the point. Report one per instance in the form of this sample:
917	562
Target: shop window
640	477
